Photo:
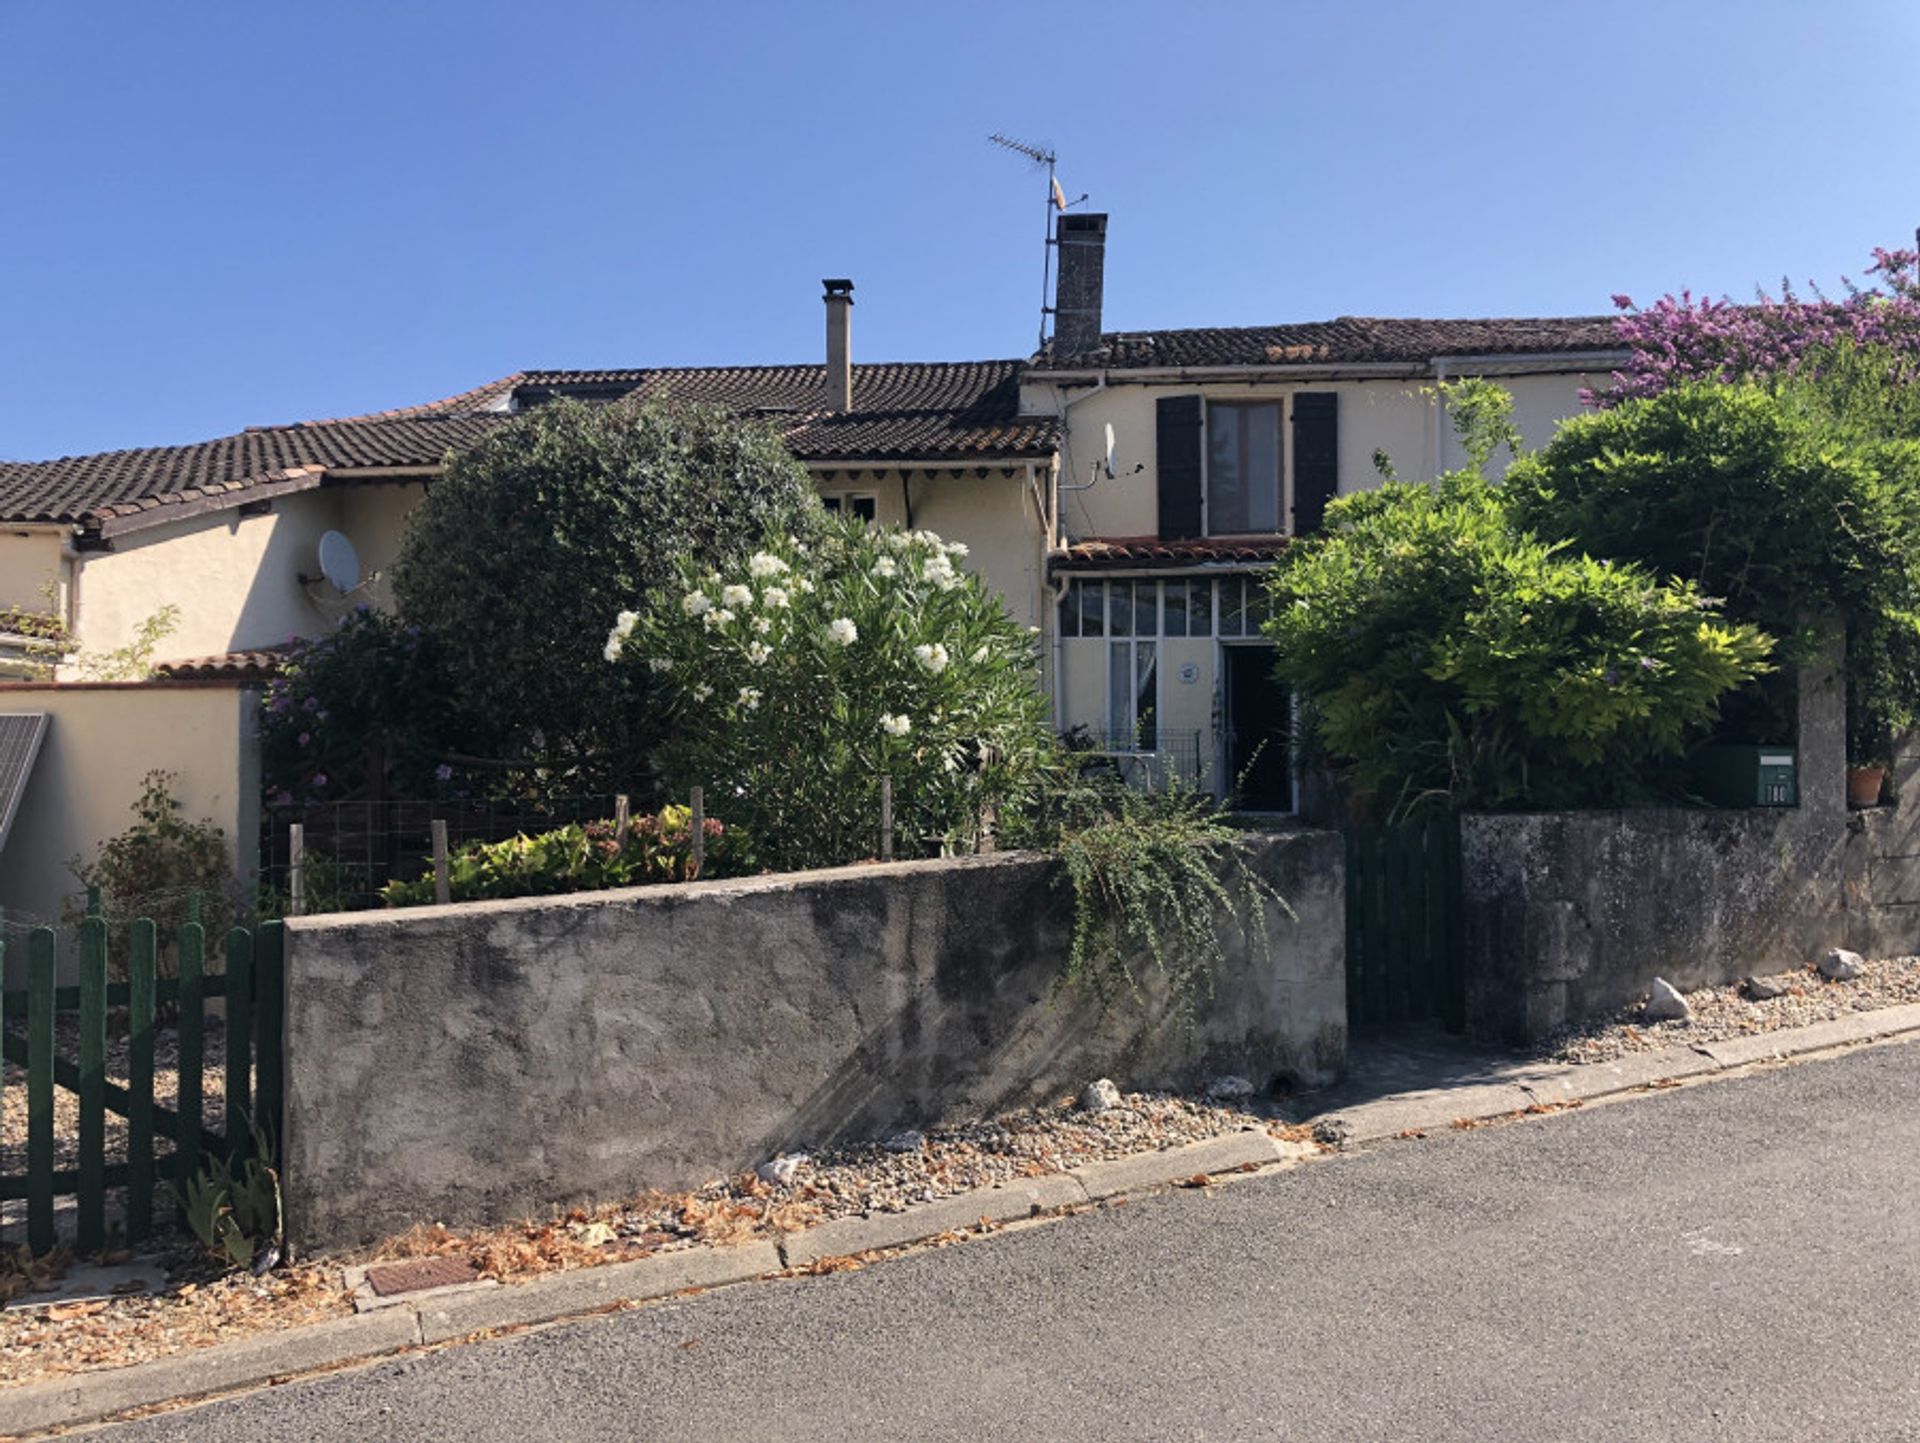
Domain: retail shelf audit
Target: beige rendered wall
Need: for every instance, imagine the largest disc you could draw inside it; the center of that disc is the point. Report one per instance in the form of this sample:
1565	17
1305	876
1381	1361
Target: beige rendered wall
101	742
29	561
233	577
1399	417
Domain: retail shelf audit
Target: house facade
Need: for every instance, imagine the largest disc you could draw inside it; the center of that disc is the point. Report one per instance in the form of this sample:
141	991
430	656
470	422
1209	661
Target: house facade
1137	559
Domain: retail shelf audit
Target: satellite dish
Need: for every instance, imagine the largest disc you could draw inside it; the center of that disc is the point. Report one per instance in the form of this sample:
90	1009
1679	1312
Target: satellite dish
339	562
1109	448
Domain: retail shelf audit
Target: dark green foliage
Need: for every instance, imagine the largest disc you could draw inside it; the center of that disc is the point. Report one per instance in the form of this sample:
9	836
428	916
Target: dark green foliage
369	709
1447	658
1781	501
524	550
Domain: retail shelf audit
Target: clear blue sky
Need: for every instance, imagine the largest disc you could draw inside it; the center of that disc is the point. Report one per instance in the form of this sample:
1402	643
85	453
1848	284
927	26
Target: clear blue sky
221	214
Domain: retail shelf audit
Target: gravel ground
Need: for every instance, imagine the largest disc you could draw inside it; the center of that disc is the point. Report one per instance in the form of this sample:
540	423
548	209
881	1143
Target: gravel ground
1720	1013
200	1307
66	1105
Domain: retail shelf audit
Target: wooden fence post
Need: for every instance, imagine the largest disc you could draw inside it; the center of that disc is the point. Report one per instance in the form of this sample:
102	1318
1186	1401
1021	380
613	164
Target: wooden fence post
296	870
90	1224
697	822
442	877
40	969
886	819
620	808
191	1104
142	968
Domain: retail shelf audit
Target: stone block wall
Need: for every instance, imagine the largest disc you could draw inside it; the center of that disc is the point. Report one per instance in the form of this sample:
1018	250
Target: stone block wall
480	1063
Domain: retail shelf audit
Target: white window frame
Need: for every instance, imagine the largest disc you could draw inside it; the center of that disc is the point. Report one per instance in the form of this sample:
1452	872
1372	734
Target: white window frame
1282	399
841	502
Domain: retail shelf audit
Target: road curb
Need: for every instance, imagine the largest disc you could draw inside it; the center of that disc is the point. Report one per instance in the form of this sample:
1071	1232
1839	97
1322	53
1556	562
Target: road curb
89	1397
845	1236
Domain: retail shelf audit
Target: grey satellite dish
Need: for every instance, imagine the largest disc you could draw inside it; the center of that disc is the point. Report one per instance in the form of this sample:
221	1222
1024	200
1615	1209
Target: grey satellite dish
339	562
1110	448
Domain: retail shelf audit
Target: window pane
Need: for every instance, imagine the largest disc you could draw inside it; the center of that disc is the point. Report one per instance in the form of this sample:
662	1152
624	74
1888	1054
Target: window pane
1070	609
1119	693
1145	696
1121	607
1092	596
1226	496
832	503
1176	615
1199	608
1259	604
1233	606
1260	426
1146	608
863	507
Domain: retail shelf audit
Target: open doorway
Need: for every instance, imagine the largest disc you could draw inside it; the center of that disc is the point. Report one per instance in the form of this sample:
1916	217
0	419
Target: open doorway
1258	740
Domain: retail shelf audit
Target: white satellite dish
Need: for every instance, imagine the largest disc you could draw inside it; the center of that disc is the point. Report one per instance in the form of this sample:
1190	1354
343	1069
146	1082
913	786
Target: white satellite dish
339	562
1109	448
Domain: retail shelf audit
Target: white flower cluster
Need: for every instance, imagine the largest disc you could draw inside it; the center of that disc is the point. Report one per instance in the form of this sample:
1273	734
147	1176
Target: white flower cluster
623	626
750	697
716	618
696	603
758	652
776	596
842	630
736	595
886	566
896	726
933	656
764	564
938	568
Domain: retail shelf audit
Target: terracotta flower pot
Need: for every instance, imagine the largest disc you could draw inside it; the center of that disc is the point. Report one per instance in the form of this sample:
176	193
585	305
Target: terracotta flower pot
1863	785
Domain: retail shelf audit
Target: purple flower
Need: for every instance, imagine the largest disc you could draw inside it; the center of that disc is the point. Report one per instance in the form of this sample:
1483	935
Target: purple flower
305	737
443	772
283	799
310	703
319	779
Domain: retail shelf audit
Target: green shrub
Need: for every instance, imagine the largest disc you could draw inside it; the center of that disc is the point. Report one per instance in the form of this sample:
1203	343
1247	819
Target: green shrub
370	706
799	679
155	869
582	857
1777	500
1448	658
525	547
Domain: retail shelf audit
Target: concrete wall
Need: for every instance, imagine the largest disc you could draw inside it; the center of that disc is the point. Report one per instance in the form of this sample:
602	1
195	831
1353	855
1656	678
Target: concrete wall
33	573
100	742
1573	913
480	1063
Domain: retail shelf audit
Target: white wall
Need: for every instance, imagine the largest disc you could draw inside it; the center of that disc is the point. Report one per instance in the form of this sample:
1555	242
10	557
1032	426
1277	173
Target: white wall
30	562
101	742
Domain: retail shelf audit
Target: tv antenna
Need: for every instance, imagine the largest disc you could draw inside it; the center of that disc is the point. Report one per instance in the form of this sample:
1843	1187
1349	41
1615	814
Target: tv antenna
1056	202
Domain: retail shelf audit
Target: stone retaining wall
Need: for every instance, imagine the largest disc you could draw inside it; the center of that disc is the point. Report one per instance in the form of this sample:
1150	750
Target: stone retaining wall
479	1063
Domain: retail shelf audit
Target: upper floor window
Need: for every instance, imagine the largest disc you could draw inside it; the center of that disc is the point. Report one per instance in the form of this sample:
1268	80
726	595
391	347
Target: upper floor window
848	503
1243	467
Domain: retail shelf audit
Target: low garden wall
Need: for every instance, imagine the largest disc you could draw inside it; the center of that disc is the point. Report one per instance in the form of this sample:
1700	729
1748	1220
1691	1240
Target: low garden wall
484	1062
1569	914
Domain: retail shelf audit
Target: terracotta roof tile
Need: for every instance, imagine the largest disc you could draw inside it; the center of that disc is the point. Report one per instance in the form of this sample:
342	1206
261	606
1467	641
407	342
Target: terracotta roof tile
1352	340
931	411
258	664
1106	553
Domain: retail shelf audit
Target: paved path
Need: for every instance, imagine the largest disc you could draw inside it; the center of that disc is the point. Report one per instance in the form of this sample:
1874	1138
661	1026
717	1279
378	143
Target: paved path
1739	1260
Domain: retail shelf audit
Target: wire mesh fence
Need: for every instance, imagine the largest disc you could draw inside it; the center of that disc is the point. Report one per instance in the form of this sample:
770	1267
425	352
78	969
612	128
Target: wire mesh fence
353	849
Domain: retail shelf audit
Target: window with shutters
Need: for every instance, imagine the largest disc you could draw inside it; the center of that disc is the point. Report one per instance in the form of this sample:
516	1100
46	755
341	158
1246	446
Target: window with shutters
1244	467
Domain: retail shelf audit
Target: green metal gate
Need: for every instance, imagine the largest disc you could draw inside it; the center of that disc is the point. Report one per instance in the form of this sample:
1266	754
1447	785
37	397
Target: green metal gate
1405	951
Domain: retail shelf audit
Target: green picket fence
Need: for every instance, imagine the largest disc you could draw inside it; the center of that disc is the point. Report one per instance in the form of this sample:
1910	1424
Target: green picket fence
1406	955
251	986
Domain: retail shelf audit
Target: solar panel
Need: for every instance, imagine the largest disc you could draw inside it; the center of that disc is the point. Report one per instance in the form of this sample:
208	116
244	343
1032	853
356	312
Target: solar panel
20	737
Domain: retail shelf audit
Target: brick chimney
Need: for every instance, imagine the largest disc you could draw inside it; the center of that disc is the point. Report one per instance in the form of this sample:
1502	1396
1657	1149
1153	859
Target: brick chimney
1076	297
839	299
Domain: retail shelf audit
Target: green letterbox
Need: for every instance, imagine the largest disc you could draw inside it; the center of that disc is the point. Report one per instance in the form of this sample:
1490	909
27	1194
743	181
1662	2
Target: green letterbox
1744	776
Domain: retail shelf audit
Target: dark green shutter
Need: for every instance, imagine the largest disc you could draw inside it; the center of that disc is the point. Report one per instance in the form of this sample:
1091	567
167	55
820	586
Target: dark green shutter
1316	457
1178	466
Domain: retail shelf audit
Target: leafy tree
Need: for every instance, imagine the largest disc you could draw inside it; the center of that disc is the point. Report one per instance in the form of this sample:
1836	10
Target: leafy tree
522	550
1773	499
800	678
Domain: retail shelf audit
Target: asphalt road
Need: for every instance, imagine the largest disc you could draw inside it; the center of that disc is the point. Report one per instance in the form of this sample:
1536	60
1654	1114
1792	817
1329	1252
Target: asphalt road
1739	1260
